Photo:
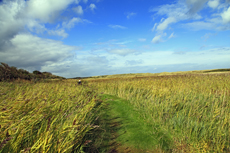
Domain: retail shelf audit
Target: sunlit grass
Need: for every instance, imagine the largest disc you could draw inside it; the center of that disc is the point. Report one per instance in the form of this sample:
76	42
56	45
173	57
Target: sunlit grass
194	108
58	116
45	117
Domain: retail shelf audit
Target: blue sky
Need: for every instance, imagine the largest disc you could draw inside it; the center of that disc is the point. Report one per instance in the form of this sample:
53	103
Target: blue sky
77	38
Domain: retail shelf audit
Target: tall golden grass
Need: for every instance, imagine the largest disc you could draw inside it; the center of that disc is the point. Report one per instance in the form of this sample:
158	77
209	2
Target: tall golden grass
56	116
193	109
45	117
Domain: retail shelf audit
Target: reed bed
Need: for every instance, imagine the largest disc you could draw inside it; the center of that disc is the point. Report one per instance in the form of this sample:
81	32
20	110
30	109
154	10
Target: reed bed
46	117
193	109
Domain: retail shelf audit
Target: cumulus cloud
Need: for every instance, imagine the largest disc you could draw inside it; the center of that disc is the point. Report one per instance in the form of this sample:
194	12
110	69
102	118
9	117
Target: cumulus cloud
78	10
117	27
9	23
213	3
49	10
92	6
226	16
19	18
58	32
31	52
20	15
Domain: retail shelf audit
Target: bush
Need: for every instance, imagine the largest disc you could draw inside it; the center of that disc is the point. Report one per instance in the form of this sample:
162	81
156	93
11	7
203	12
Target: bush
8	73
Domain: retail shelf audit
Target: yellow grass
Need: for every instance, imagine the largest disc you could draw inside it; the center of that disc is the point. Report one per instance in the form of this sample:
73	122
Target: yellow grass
194	109
45	117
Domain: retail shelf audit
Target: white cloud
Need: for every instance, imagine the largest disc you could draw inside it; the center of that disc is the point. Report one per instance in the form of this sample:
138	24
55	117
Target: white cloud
213	3
71	23
211	24
130	14
158	38
10	25
226	16
92	6
142	39
162	26
58	32
117	27
31	52
195	5
153	62
77	1
175	13
134	62
122	52
20	15
189	12
78	10
154	27
208	35
171	36
48	12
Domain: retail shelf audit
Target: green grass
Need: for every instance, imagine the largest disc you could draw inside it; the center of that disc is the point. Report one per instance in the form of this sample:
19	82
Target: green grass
193	108
133	131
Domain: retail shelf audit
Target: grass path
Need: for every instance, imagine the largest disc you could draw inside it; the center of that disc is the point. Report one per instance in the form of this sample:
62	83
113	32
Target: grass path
125	131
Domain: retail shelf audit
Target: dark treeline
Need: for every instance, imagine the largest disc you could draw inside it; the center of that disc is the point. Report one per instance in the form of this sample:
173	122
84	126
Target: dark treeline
10	73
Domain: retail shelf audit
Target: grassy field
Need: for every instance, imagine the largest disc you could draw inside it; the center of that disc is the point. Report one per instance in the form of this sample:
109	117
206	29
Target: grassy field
171	113
193	109
46	117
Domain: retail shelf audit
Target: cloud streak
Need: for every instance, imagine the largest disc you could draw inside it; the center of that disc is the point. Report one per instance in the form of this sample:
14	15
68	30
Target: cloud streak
117	27
130	14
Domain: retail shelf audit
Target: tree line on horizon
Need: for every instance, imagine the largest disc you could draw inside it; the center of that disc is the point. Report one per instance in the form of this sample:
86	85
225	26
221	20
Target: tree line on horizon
11	73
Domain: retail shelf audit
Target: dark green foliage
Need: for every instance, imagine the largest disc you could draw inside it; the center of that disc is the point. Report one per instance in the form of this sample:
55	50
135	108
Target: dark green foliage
8	73
36	72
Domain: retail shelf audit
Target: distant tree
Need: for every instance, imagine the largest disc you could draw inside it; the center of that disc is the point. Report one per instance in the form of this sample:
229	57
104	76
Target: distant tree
36	72
8	73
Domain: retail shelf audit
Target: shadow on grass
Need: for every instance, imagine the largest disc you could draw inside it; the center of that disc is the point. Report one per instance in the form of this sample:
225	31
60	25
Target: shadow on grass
122	130
103	138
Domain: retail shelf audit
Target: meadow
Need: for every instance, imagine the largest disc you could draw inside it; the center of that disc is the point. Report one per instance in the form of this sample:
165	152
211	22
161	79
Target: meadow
52	116
192	110
184	113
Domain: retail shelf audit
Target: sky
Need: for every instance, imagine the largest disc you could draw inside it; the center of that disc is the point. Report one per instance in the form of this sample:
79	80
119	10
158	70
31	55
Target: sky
80	38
